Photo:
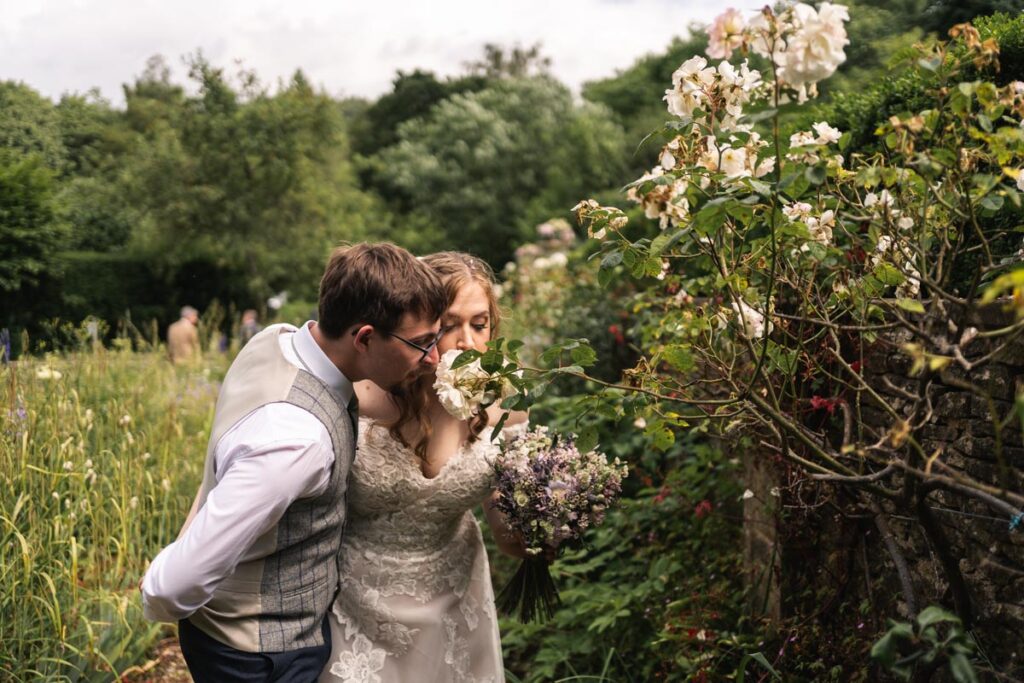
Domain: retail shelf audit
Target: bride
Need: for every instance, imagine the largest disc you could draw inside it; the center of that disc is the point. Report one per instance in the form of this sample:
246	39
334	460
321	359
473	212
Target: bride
415	601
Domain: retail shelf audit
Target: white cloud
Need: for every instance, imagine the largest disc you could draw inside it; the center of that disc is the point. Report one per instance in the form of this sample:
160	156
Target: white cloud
349	48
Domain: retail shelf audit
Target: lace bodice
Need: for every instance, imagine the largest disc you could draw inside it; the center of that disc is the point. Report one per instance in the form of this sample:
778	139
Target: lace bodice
395	506
415	600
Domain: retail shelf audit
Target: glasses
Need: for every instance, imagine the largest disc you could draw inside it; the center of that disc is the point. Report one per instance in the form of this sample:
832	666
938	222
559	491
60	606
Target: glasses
425	350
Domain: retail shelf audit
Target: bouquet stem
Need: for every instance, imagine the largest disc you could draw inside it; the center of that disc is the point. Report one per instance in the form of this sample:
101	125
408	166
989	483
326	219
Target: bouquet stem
531	592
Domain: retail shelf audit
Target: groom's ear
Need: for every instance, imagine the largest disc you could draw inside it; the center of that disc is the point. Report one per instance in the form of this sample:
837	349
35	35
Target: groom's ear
362	336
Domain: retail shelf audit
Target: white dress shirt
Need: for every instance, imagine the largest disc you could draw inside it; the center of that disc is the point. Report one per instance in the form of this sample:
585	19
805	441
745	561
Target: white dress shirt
274	456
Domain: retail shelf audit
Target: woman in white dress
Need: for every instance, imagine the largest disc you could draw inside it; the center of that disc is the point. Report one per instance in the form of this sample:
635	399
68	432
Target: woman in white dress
416	602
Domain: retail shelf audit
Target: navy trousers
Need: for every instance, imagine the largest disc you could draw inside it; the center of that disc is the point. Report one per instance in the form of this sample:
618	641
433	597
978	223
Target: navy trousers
211	661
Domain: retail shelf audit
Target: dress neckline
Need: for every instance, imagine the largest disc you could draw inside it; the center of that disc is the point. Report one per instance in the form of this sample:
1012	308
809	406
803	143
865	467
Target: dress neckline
413	460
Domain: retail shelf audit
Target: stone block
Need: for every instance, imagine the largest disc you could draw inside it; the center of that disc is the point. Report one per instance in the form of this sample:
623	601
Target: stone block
953	404
997	379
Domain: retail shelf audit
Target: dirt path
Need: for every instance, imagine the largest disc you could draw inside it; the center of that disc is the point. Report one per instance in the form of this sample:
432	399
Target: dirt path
166	666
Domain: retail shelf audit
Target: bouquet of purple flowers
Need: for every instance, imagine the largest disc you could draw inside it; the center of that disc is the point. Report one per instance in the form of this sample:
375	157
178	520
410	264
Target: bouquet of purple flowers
549	493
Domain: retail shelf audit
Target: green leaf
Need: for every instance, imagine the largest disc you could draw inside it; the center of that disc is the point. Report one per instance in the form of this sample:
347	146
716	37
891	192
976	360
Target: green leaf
665	241
465	358
497	427
760	659
889	274
815	175
886	649
492	361
661	436
762	115
992	202
678	357
584	355
962	670
611	260
935	615
912	305
586	440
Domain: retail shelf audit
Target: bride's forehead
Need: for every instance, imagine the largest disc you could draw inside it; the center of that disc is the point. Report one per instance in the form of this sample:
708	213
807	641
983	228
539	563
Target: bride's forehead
471	300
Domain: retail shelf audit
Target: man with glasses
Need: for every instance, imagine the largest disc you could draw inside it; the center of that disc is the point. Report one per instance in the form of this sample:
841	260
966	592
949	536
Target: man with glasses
252	574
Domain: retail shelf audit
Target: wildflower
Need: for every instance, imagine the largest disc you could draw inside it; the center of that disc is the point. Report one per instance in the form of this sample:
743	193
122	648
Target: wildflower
68	465
640	423
146	456
725	34
667	161
821	228
801	139
702	509
752	322
133	502
824	403
734	162
748	494
826	134
47	373
883	199
797	211
125	420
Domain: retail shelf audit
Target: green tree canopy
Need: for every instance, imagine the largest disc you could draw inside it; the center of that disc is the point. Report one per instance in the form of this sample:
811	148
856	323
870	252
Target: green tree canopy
483	168
29	233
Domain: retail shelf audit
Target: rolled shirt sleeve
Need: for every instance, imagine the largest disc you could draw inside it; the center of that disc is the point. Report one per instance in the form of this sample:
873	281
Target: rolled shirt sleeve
276	455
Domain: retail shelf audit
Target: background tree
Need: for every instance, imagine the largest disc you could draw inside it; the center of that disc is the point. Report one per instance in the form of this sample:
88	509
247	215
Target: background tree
29	233
485	167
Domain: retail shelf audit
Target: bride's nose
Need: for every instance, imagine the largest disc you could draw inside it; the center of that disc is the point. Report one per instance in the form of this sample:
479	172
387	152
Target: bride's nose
464	342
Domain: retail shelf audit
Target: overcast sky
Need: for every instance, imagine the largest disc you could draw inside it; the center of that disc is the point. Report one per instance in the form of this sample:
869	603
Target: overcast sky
349	48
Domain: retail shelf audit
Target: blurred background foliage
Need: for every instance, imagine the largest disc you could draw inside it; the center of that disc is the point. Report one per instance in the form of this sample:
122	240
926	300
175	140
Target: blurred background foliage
231	189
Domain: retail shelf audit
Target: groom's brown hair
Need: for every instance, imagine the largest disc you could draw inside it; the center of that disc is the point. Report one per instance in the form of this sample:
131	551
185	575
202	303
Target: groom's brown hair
376	284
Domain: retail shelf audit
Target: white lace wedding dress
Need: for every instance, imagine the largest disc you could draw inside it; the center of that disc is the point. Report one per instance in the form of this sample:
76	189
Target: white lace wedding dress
415	603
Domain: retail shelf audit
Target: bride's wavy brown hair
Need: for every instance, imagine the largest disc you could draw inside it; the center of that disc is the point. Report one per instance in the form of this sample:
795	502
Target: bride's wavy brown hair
456	270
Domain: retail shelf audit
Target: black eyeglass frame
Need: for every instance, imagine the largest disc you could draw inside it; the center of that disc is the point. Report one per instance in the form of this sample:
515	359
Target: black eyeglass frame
425	350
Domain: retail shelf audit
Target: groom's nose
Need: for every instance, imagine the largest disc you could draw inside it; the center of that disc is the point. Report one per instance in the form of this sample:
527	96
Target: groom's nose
432	358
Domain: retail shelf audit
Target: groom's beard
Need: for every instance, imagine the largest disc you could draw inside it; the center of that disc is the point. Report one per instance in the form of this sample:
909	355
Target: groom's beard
415	381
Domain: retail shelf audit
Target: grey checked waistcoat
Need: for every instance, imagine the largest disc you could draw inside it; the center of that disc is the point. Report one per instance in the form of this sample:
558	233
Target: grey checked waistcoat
276	600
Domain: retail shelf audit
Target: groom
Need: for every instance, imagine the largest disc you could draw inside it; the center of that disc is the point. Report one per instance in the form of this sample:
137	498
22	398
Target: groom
250	578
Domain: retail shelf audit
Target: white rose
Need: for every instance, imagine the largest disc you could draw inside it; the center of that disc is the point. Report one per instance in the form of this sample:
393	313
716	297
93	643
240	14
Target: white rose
752	322
734	162
826	133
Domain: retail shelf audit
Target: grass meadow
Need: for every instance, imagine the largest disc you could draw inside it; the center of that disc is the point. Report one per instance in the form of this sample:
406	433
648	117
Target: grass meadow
101	452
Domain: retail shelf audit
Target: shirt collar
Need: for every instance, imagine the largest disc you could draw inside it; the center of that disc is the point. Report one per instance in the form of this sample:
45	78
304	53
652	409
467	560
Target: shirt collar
320	365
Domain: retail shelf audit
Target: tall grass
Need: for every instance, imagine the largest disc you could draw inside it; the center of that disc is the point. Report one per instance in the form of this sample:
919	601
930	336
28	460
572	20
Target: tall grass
100	454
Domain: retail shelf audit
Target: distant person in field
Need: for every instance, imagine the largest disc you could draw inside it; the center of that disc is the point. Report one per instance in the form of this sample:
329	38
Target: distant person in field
254	571
250	326
183	337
